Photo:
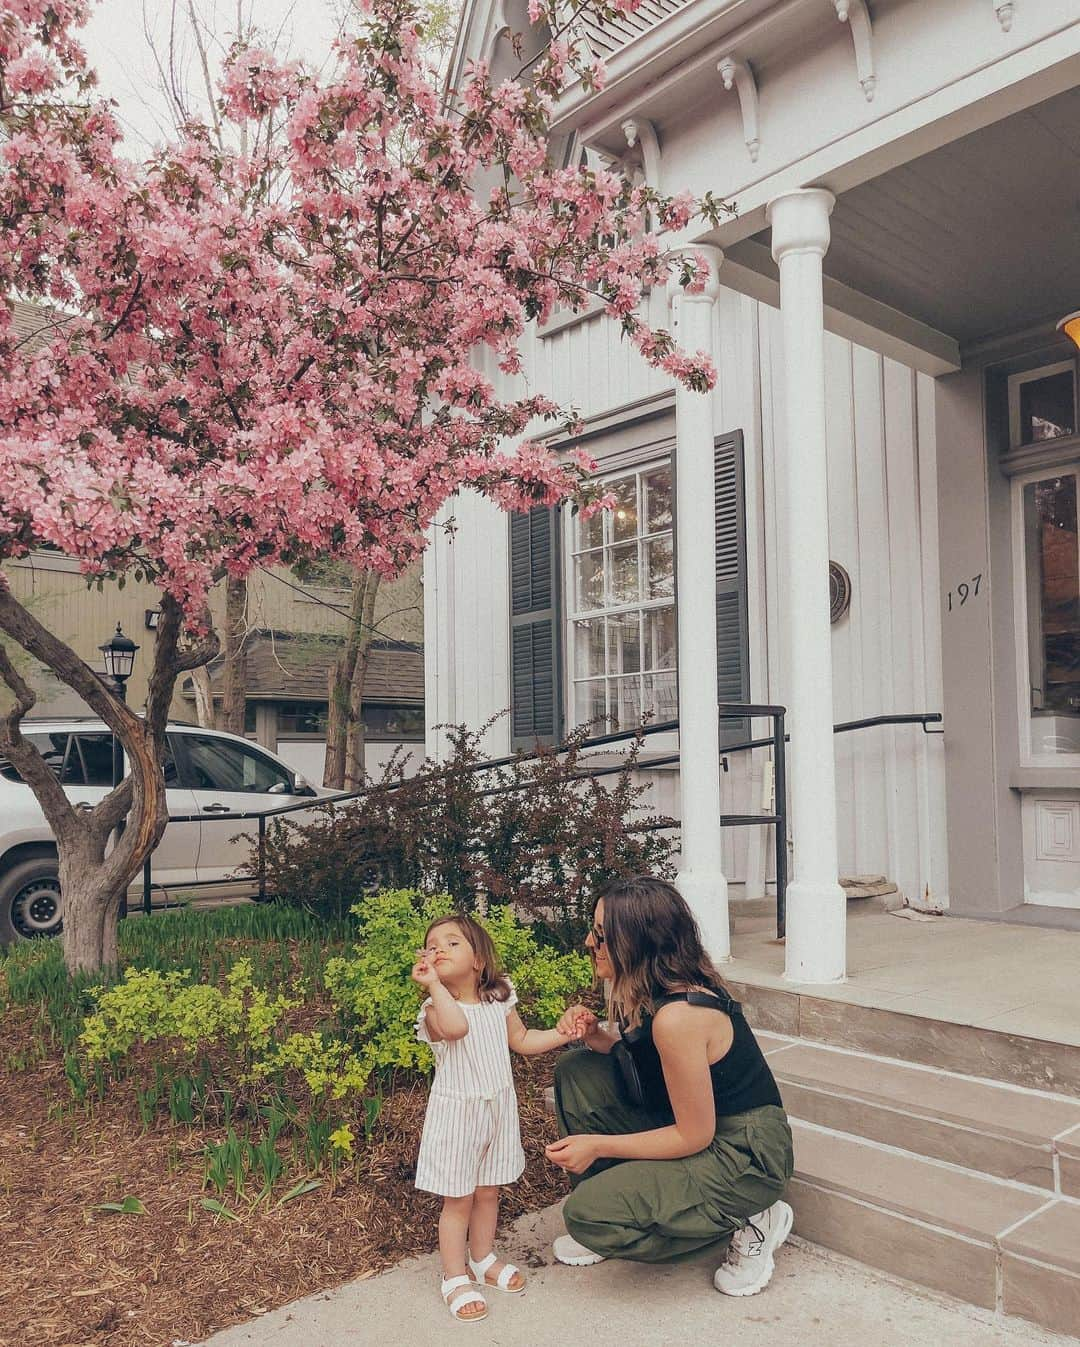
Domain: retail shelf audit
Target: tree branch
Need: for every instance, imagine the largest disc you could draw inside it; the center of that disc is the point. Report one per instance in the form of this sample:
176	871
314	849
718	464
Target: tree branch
25	757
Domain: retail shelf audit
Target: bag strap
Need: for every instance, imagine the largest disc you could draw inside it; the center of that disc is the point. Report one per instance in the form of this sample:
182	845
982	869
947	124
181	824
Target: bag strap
711	1000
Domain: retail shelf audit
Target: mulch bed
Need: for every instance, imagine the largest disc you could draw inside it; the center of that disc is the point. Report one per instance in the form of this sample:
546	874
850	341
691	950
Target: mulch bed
70	1275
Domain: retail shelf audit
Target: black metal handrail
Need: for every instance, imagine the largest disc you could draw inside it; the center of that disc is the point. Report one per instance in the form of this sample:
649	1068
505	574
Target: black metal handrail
777	741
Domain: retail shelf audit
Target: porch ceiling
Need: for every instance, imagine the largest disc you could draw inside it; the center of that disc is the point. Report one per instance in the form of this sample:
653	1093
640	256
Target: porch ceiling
977	238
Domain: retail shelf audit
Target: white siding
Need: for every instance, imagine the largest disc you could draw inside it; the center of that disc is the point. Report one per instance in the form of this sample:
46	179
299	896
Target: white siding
882	520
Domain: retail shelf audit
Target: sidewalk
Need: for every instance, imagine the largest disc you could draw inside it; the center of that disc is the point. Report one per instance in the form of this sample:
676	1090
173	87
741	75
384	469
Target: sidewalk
815	1299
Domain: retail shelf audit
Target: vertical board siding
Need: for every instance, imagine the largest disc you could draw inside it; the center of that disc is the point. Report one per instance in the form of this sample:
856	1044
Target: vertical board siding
883	530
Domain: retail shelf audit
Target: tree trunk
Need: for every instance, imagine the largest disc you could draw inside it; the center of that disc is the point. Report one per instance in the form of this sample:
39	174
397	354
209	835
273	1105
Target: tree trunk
355	734
344	726
205	712
91	881
234	670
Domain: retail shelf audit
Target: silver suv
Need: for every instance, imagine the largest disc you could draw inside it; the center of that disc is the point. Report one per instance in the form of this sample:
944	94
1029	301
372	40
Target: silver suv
209	775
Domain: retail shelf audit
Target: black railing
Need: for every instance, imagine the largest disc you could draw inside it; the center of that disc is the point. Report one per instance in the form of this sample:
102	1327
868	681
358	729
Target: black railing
777	741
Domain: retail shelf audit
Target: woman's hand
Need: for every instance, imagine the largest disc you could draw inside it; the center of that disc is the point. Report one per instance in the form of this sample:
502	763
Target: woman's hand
577	1023
574	1154
424	970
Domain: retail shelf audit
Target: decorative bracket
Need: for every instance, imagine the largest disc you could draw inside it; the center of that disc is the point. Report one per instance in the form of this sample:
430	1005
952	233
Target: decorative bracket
1004	9
737	74
639	131
855	14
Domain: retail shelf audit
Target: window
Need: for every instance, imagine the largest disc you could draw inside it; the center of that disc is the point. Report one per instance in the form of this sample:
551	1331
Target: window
76	759
1042	404
211	763
302	717
622	599
1052	577
394	722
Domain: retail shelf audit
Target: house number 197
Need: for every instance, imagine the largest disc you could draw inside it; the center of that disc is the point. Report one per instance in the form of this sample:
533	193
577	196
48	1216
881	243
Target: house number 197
966	589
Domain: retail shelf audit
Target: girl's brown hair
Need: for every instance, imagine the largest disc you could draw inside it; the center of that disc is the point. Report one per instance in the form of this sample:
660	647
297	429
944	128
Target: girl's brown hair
493	984
654	945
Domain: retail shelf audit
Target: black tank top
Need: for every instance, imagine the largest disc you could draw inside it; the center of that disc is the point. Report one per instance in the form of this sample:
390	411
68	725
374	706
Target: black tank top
741	1079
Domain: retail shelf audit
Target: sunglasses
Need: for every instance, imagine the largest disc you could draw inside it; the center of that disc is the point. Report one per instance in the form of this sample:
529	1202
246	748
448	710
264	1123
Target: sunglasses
597	935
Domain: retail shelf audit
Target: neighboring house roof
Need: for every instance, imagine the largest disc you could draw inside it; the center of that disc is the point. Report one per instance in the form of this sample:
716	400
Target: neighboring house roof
608	38
36	321
282	666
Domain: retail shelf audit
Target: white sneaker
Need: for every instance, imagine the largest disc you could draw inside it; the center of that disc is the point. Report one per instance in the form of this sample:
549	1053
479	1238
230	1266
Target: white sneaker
750	1262
567	1250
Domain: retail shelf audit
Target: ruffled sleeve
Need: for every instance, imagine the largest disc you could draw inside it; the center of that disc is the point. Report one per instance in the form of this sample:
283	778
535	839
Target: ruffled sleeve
511	1001
421	1023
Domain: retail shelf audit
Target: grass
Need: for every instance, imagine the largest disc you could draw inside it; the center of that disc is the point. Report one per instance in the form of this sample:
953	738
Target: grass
279	940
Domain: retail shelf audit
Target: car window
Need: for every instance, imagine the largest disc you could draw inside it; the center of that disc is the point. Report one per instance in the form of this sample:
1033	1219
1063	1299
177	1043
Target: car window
83	759
89	760
219	764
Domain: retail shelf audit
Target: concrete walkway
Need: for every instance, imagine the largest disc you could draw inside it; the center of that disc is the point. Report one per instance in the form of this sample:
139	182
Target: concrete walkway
815	1300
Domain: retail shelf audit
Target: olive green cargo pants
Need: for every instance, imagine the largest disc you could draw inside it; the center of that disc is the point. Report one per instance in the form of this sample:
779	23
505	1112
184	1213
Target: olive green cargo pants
654	1210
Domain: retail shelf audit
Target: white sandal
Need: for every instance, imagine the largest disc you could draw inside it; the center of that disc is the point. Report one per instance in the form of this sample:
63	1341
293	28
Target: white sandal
505	1277
467	1296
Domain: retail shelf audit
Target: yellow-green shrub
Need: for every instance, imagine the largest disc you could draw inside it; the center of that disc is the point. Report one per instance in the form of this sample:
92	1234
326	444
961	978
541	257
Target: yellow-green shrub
373	990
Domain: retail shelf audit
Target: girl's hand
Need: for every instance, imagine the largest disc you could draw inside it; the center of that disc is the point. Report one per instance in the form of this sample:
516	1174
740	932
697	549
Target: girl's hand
577	1023
574	1154
424	969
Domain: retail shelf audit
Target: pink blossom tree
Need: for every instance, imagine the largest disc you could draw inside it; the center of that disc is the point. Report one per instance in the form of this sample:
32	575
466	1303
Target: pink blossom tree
226	377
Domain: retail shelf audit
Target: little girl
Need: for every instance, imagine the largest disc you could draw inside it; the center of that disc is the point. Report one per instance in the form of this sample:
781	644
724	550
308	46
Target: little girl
472	1141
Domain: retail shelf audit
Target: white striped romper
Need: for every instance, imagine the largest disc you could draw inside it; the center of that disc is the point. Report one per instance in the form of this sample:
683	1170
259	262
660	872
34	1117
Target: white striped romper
471	1137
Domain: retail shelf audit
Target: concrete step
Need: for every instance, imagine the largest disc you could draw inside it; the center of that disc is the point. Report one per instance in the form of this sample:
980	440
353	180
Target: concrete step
981	1125
988	1241
966	1049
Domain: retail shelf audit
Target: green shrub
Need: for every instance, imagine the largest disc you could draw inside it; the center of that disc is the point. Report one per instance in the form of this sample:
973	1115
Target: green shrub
379	1001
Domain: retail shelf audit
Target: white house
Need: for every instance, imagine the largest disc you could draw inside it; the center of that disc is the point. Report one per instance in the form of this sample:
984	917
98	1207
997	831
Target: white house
895	397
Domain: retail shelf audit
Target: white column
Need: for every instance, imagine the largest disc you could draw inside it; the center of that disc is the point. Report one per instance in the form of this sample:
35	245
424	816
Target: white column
816	906
701	874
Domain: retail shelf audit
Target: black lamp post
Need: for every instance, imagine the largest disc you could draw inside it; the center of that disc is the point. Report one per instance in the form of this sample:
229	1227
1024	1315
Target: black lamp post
118	652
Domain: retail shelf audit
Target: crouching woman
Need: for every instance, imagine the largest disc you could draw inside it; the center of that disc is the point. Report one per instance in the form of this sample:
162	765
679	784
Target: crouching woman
672	1129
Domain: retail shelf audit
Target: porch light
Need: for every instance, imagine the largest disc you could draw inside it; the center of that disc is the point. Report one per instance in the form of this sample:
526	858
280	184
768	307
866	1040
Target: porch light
1070	325
119	655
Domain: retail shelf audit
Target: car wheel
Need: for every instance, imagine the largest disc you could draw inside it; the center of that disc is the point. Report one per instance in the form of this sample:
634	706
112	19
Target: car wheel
30	901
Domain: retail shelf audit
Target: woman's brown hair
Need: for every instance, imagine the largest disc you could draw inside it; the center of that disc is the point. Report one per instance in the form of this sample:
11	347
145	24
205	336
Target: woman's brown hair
493	984
654	945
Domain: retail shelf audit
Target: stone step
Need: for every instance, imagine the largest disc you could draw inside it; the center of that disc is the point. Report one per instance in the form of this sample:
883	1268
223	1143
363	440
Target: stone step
984	1240
966	1049
981	1125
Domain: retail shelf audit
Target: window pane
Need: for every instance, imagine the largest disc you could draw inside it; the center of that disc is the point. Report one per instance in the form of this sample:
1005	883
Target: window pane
591	702
590	580
625	702
92	759
1053	597
661	697
624	517
52	748
218	764
660	638
589	647
302	717
624	634
660	563
624	574
1047	408
658	500
591	530
394	722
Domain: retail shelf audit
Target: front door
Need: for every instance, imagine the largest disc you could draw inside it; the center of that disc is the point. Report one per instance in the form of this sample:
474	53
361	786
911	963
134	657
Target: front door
1048	600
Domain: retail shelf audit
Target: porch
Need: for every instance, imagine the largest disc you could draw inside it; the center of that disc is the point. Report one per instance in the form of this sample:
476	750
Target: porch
935	1103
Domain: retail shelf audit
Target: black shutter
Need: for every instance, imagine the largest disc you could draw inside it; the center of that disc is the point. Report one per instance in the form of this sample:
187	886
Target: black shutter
732	610
535	710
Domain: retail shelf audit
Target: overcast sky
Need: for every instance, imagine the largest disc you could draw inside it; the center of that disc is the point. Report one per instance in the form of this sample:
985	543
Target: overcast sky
119	50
